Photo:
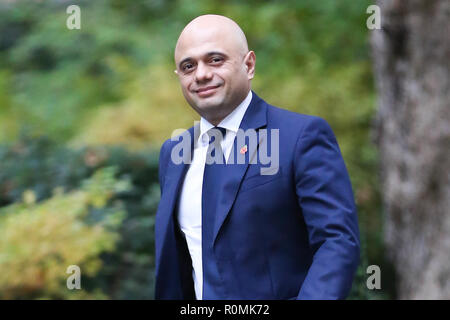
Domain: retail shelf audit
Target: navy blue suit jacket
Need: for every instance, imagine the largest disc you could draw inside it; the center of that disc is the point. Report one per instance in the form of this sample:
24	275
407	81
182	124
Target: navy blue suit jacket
290	235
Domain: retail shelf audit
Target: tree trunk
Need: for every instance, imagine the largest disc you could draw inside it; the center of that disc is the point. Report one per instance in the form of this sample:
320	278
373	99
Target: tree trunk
411	55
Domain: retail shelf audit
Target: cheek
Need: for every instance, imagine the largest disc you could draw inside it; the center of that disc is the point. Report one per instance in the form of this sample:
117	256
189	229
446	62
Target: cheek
225	77
185	84
234	76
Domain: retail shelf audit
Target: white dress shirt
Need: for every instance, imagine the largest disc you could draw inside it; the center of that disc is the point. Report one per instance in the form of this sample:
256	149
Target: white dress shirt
190	205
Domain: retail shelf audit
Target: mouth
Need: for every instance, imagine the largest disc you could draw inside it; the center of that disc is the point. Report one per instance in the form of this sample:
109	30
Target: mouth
206	91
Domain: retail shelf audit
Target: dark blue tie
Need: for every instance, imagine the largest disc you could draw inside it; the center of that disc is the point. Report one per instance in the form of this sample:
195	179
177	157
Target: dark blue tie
214	165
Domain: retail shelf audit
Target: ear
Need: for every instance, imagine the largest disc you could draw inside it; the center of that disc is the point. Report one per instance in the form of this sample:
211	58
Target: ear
250	62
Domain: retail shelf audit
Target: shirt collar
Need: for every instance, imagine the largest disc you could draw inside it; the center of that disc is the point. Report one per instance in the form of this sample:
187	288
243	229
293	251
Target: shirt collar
231	122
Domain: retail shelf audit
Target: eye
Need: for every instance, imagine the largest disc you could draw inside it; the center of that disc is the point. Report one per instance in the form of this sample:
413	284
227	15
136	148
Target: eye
216	59
187	67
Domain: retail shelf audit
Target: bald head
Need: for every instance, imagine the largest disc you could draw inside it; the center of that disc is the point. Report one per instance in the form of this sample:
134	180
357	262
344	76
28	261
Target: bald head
218	26
214	66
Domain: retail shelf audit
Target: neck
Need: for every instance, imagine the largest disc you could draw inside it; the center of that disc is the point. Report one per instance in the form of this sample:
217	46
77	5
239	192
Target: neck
216	116
221	113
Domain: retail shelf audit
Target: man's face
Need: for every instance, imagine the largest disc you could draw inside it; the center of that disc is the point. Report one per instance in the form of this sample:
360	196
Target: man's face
213	71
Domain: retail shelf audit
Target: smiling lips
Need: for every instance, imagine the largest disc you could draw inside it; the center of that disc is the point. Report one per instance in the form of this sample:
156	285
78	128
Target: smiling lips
206	91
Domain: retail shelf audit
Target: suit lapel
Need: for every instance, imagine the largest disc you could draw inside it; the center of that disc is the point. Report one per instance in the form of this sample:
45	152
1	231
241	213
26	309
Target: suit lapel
254	118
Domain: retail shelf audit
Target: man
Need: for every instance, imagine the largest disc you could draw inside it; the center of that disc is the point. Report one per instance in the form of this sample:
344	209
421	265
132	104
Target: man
230	230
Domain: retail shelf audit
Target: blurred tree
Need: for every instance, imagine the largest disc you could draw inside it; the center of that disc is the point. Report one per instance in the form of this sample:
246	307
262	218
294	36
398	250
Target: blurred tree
412	54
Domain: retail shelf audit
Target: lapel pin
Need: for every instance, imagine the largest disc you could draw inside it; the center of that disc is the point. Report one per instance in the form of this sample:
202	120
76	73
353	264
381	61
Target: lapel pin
244	149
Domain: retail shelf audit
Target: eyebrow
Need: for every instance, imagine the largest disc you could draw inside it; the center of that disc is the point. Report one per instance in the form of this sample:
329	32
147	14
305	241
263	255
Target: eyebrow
209	54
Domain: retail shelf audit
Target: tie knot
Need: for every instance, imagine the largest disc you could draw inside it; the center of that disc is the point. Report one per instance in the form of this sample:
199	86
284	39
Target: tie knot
216	134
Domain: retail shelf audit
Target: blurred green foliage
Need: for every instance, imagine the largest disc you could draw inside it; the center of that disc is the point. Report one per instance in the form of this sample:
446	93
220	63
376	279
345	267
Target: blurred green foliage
40	240
75	101
119	181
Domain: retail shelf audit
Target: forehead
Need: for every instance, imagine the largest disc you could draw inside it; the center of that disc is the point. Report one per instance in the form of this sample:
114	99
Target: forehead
196	43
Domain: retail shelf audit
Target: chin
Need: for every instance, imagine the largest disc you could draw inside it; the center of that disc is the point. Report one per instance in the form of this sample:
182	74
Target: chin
209	103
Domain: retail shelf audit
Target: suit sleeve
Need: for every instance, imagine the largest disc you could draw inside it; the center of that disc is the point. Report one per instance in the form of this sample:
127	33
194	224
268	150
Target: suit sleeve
326	198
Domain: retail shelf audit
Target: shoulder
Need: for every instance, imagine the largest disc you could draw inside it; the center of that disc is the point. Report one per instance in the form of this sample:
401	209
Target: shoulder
174	140
296	123
185	137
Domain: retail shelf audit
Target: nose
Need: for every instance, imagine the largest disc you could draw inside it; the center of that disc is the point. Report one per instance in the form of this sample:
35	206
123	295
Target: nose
203	73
